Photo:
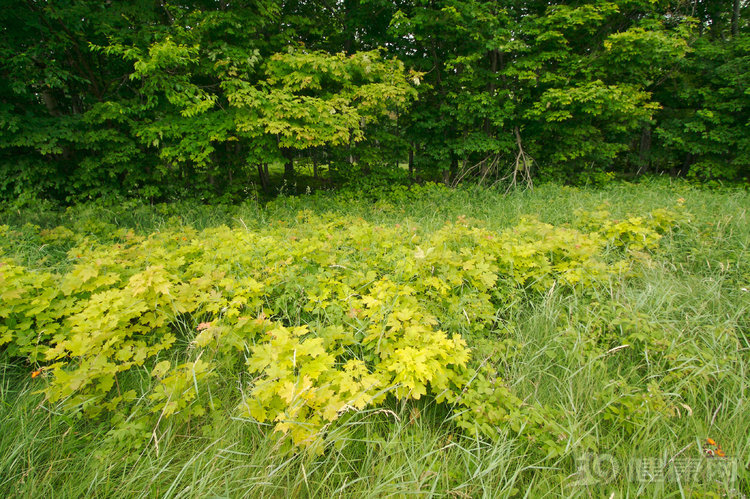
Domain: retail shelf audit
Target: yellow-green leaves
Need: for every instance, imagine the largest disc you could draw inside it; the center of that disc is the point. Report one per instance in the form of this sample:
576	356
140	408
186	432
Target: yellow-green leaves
180	389
313	99
161	368
328	317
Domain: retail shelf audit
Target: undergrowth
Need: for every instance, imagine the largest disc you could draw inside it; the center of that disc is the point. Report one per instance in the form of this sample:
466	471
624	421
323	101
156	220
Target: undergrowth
433	341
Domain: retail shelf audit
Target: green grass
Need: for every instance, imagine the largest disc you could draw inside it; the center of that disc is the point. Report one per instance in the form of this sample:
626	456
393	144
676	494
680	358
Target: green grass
691	291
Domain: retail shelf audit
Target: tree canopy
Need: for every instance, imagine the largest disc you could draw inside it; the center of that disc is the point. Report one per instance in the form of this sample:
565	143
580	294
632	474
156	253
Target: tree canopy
197	98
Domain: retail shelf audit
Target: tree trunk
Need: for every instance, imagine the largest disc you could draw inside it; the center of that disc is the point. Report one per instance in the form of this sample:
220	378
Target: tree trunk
260	177
349	148
644	151
347	31
288	154
263	176
491	86
686	164
289	169
50	103
411	161
736	18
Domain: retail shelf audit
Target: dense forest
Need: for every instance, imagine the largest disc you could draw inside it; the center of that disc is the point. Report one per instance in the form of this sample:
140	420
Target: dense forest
209	98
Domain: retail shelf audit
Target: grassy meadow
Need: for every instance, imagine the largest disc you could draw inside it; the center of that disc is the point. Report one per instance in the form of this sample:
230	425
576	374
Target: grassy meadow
618	337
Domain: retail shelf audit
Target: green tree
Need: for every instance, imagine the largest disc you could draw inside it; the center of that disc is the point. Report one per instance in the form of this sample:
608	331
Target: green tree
187	99
558	82
702	131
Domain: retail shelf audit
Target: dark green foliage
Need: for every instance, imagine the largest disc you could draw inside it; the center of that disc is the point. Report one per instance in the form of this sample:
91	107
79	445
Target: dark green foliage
209	100
705	128
161	101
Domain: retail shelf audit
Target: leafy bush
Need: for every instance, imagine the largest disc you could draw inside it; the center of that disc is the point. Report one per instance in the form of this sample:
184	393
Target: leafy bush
317	319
